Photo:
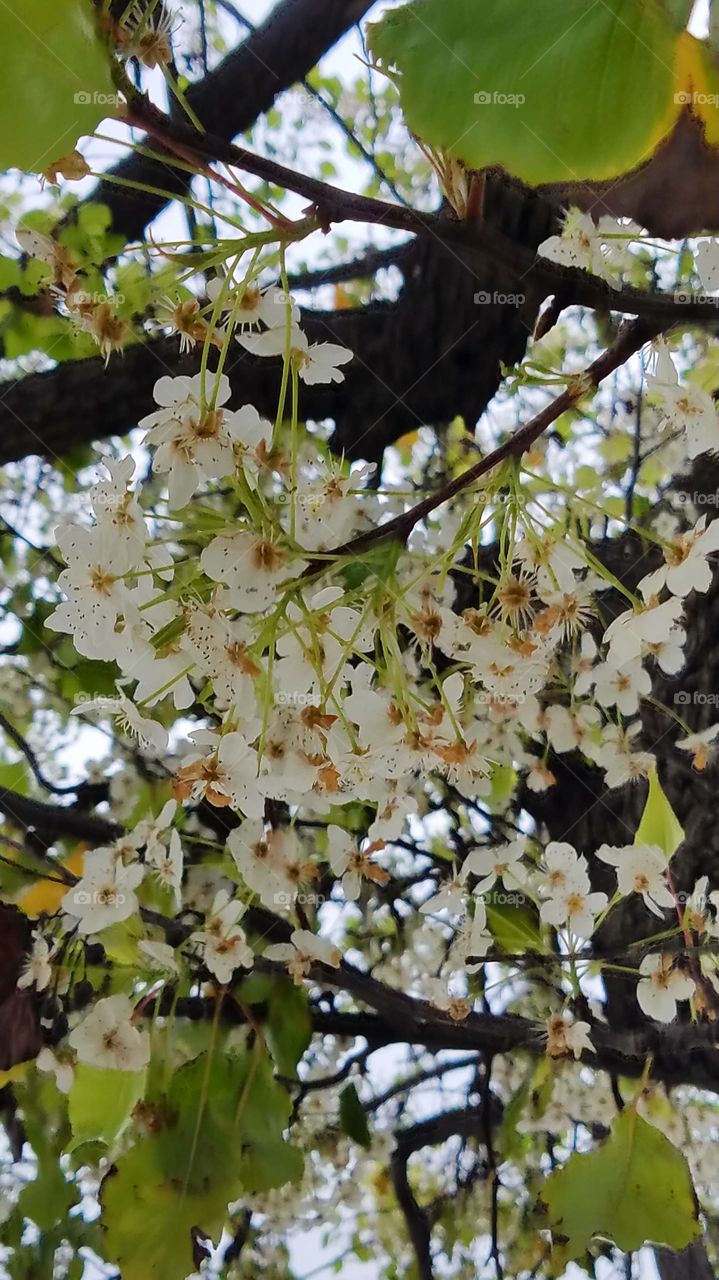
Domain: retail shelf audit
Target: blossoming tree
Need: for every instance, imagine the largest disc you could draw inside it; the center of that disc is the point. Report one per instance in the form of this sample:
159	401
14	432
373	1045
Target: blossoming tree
359	862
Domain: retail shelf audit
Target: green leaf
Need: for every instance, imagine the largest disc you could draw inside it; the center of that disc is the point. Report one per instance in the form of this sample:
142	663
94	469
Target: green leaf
286	1020
289	1027
510	1140
101	1102
503	779
56	82
514	928
149	1217
678	12
271	1165
14	776
659	824
378	563
10	272
216	1132
49	1198
584	90
93	677
353	1117
633	1189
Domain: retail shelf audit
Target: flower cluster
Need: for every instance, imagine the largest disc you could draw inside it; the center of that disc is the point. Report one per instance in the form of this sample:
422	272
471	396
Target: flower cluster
203	584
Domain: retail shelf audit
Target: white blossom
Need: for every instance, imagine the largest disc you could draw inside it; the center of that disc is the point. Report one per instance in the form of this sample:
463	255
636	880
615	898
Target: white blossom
105	893
107	1037
641	868
304	950
150	735
314	362
222	941
37	970
662	986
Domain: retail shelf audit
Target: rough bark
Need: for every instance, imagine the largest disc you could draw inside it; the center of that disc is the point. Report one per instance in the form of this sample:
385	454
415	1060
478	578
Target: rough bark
690	1264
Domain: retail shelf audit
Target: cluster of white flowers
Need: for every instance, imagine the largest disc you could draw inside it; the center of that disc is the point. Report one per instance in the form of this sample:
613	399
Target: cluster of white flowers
323	695
600	247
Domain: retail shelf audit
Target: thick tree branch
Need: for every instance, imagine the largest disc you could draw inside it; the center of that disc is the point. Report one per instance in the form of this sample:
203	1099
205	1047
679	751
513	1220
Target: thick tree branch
337	205
56	821
24	746
682	1055
415	1216
430	355
690	1264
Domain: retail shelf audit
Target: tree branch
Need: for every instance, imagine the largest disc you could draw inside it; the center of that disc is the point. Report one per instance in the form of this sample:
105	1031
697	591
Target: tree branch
334	204
56	820
690	1264
391	386
682	1054
631	337
278	53
414	1215
24	746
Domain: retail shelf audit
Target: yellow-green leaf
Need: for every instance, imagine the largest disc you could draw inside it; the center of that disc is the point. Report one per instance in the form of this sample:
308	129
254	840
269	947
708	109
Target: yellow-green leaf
583	90
515	928
659	824
634	1189
100	1103
56	83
